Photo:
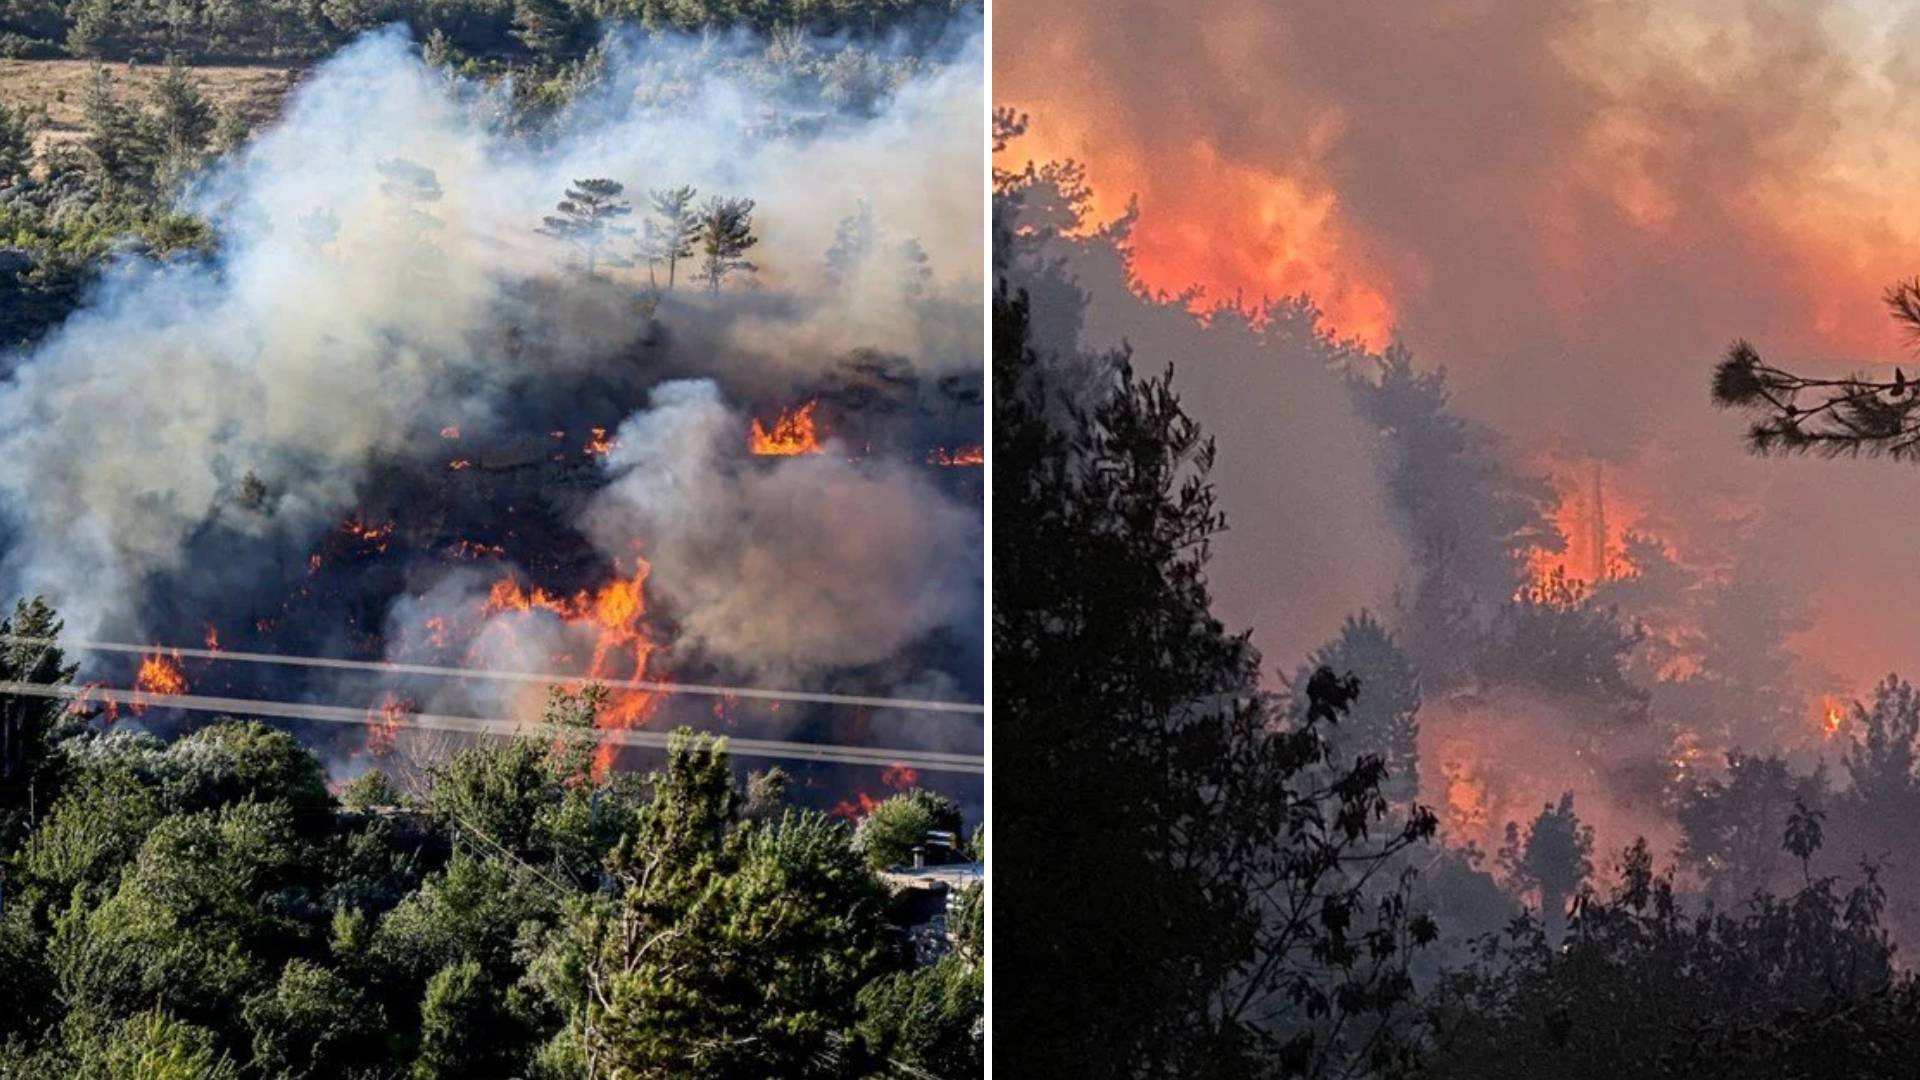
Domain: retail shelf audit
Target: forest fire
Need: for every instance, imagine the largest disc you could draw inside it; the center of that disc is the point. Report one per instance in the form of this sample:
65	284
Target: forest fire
1831	719
365	534
386	722
792	434
599	444
1594	517
159	674
895	778
963	457
615	614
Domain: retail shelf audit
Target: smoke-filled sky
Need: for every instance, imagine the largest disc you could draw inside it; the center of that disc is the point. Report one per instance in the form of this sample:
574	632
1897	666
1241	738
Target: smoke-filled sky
1572	206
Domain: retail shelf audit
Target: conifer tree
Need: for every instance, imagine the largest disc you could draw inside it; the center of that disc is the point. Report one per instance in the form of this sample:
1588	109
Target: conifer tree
725	233
586	219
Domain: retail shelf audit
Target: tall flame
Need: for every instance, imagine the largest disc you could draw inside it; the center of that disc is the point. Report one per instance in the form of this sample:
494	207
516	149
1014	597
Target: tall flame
616	613
793	433
159	674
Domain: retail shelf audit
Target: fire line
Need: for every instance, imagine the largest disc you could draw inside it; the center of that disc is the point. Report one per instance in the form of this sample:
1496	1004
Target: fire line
695	689
288	710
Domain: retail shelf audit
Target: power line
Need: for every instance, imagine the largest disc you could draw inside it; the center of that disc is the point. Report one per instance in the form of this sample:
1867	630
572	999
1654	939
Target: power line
929	760
697	689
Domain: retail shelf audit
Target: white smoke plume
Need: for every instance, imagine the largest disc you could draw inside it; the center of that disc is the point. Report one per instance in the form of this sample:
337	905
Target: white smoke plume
379	277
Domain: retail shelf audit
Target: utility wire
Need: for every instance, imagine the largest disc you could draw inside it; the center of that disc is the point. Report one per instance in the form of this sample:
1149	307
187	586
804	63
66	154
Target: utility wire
929	760
697	689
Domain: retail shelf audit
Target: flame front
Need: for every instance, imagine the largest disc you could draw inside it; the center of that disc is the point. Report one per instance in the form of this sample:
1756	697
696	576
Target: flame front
792	434
159	674
616	614
963	457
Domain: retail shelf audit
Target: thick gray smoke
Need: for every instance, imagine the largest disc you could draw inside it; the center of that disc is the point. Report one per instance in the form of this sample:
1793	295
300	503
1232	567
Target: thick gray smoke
380	277
811	562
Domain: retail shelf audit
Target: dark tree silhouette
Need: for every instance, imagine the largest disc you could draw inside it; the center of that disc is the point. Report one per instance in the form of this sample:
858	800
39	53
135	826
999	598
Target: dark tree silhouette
1848	416
1383	721
1184	872
1553	859
1795	987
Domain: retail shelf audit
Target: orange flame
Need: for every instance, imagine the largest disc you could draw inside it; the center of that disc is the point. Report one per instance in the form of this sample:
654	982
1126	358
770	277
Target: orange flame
1830	723
388	719
159	674
599	444
793	433
616	612
458	464
213	639
965	456
896	777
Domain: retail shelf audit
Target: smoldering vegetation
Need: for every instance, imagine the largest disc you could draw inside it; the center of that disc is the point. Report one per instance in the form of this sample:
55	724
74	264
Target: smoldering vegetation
393	415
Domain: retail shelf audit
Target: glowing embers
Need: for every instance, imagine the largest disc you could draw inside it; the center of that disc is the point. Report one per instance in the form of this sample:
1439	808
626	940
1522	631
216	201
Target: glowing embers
794	433
965	456
599	444
159	674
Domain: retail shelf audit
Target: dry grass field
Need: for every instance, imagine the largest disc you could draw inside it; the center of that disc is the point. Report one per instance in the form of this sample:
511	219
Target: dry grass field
60	86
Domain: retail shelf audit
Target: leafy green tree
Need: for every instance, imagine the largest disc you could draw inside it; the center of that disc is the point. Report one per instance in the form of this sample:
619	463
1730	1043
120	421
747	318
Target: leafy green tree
927	1018
757	975
725	231
155	1046
587	219
669	232
28	775
545	27
900	823
458	1027
313	1023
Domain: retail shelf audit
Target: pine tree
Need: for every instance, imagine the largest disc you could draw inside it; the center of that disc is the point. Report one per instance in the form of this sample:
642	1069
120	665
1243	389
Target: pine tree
186	120
16	143
543	26
586	219
670	230
122	142
725	232
853	242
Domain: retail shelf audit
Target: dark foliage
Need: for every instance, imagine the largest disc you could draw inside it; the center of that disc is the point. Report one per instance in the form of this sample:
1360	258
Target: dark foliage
1220	919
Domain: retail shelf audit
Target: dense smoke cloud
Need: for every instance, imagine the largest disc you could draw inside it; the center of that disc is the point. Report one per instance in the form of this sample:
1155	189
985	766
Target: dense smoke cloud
813	562
380	277
1571	206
